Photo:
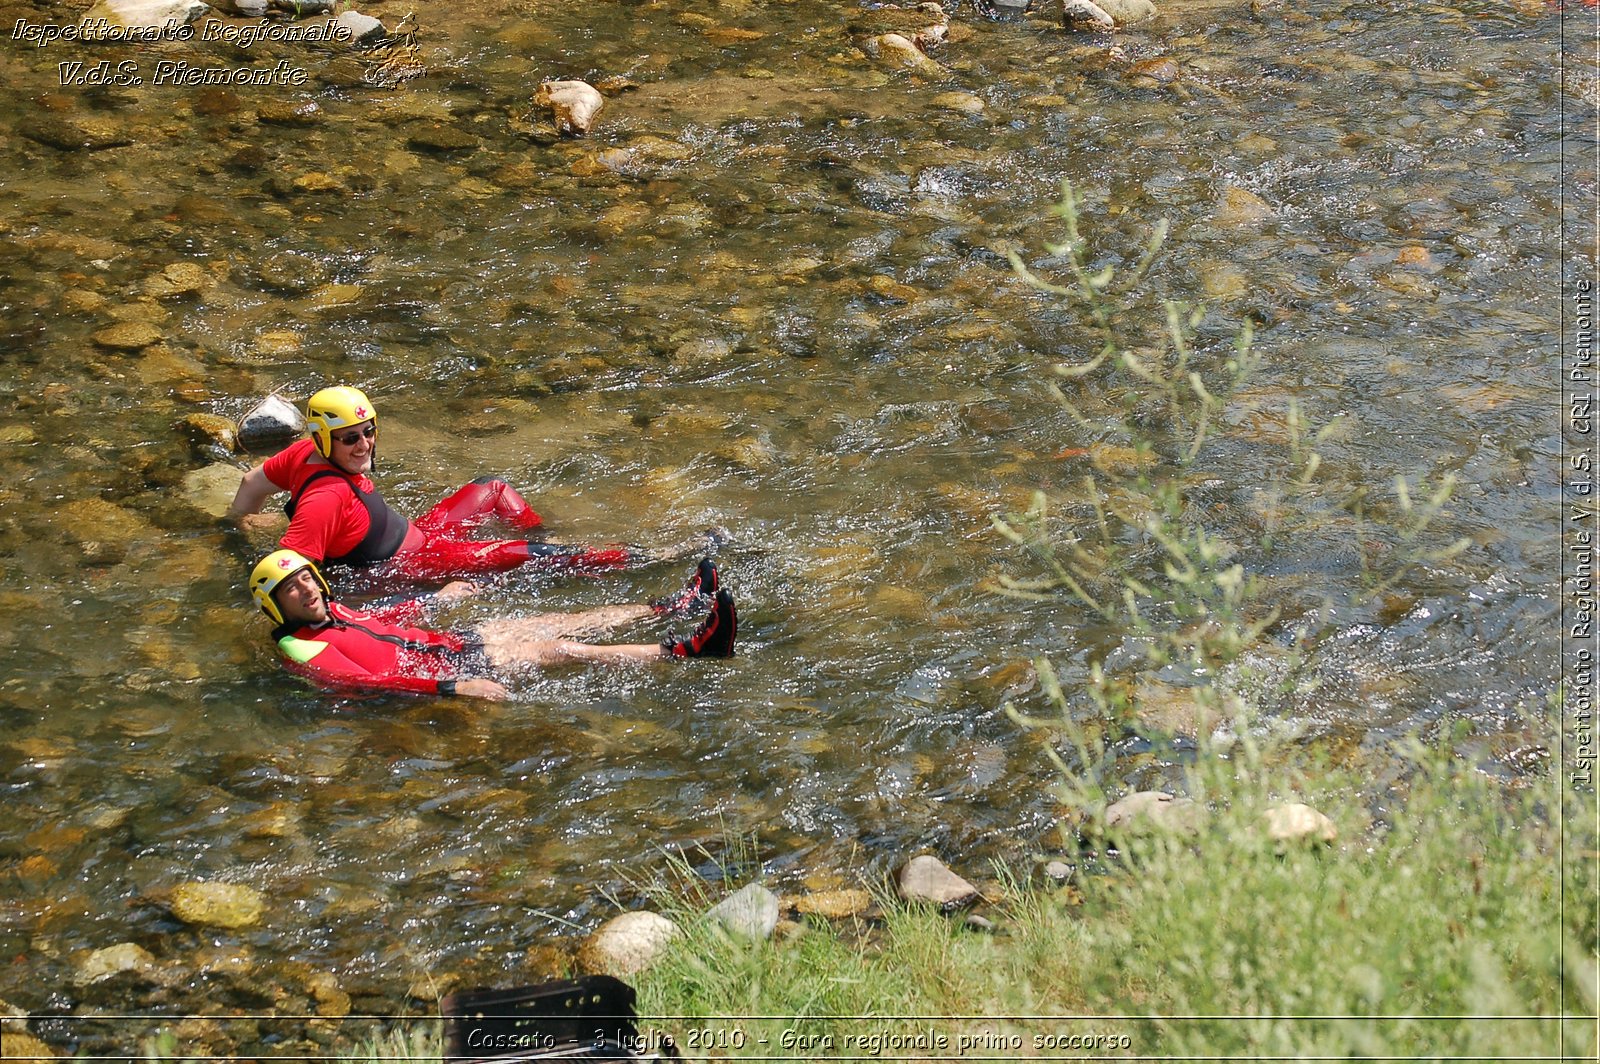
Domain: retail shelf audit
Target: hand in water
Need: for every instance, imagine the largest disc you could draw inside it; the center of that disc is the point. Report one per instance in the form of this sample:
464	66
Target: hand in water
481	688
705	543
259	522
457	589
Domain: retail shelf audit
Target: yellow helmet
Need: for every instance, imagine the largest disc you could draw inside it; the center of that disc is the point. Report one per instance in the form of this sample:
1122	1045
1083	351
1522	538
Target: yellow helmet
273	570
336	408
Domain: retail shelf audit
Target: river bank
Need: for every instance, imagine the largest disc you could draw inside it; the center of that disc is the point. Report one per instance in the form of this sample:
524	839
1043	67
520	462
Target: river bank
768	290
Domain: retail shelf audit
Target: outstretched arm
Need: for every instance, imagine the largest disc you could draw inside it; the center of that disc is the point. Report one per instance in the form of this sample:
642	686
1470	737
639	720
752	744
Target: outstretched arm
324	665
254	491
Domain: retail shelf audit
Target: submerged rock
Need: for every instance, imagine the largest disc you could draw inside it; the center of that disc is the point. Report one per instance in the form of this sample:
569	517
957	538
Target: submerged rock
124	957
626	945
214	904
178	279
211	488
19	1045
84	135
835	904
1240	207
441	138
965	102
927	879
289	271
751	911
299	113
574	105
128	336
210	429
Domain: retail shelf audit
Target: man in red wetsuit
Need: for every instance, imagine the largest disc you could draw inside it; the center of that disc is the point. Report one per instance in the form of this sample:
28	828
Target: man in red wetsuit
382	649
337	516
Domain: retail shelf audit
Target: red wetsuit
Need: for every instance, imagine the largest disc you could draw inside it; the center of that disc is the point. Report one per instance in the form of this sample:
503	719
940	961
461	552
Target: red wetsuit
338	518
378	650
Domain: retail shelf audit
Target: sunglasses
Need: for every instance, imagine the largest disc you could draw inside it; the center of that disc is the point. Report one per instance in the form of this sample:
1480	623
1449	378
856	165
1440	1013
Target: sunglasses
350	439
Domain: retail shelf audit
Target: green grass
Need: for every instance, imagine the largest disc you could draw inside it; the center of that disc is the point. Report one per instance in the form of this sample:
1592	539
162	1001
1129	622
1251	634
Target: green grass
1221	945
1429	930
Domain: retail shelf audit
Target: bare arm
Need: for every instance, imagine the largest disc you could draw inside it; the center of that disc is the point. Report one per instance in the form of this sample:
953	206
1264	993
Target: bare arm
254	491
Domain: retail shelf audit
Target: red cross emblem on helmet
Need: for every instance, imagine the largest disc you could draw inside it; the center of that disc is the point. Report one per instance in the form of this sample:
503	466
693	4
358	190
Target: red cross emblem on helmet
361	412
284	563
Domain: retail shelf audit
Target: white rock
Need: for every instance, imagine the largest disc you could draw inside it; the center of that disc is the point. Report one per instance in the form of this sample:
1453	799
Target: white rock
751	911
626	945
896	50
1086	14
1144	810
574	104
927	879
362	27
1297	822
114	960
269	421
1128	12
144	15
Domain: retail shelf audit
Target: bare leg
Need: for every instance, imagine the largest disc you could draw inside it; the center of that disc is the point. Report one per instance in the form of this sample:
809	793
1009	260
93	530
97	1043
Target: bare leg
584	624
526	652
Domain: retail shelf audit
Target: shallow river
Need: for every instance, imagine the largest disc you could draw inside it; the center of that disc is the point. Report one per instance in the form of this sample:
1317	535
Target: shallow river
768	291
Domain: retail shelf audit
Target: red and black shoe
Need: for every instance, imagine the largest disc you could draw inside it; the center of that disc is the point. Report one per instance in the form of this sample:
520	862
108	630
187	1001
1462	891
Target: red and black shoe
702	585
714	637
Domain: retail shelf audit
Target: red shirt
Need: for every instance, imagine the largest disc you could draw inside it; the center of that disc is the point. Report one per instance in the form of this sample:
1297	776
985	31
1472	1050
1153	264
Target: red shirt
369	651
328	520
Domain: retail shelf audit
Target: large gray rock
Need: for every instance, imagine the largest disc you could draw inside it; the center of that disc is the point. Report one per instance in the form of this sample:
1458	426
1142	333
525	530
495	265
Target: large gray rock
626	945
269	424
751	911
927	879
138	15
1128	12
363	28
